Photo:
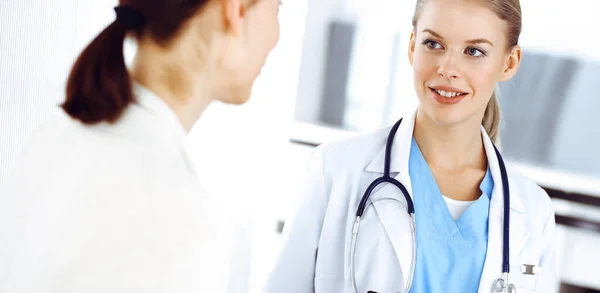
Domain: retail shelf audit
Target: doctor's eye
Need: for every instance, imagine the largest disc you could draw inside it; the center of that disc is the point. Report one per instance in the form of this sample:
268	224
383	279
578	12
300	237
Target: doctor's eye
431	44
475	52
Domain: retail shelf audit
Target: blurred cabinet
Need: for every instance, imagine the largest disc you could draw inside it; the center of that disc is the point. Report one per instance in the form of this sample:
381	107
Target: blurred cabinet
352	64
548	109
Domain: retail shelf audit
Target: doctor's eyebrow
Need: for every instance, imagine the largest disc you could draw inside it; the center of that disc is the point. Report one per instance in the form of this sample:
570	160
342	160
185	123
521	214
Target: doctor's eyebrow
472	42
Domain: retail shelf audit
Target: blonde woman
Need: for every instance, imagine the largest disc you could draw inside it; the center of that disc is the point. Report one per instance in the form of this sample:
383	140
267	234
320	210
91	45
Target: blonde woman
428	205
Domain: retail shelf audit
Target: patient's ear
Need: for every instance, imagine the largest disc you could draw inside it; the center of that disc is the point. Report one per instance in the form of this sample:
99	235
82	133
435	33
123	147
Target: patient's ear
233	14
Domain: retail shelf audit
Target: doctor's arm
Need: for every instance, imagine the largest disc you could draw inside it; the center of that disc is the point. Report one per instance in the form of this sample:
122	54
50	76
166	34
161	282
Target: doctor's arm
294	269
546	280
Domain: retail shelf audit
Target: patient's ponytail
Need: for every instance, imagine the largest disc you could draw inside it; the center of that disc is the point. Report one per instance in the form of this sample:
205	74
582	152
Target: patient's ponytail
99	86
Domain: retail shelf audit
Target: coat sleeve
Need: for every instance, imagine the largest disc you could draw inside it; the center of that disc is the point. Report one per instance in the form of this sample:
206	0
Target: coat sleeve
546	281
294	269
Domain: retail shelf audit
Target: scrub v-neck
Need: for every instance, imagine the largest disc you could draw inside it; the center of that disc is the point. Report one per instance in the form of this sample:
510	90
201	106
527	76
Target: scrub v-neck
450	254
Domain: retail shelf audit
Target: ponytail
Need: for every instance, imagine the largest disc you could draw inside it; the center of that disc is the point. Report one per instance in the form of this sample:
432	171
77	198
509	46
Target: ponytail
99	86
491	118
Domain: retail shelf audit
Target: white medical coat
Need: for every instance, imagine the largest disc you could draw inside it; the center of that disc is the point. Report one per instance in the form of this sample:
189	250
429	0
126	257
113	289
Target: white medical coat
316	251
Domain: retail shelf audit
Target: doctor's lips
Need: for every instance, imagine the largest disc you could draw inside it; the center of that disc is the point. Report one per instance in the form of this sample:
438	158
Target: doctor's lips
447	91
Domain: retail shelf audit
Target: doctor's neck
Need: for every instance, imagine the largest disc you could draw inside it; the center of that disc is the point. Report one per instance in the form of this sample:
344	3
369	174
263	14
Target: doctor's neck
450	147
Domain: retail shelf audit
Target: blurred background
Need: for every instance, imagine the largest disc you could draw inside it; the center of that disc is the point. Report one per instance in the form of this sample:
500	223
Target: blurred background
340	69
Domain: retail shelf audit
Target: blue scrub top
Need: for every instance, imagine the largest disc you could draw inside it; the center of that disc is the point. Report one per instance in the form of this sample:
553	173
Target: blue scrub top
450	254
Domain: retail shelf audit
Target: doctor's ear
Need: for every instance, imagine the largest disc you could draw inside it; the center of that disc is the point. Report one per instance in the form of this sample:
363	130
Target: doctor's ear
234	12
512	63
411	46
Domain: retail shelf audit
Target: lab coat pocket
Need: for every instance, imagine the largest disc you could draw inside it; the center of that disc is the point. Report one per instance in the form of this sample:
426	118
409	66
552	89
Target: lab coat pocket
330	284
523	282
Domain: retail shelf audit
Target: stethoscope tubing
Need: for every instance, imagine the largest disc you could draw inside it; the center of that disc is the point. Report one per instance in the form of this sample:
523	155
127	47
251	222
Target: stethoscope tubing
386	178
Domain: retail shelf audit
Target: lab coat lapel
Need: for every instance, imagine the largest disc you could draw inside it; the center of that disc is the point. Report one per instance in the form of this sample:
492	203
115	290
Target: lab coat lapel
153	104
388	200
519	231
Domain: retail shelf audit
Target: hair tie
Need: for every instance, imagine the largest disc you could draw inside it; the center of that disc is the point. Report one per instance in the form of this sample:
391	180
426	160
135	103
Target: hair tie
130	17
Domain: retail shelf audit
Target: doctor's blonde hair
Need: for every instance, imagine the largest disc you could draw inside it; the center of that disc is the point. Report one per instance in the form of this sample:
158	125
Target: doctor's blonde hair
510	12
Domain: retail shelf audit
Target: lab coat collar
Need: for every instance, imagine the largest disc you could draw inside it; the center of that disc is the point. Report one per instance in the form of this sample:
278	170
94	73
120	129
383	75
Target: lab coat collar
401	152
400	148
156	106
497	194
520	225
394	217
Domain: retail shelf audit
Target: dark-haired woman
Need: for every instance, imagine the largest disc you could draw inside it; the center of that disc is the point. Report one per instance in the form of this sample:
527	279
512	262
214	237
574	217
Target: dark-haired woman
104	197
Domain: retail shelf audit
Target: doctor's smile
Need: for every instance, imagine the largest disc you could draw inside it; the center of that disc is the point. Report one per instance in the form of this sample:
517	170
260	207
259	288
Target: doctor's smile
447	95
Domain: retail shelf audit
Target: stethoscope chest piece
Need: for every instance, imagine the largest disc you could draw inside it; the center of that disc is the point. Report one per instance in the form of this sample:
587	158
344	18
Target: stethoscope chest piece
501	286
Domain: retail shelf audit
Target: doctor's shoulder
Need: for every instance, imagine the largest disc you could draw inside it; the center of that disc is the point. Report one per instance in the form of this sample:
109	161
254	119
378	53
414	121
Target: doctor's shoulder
337	165
352	154
536	201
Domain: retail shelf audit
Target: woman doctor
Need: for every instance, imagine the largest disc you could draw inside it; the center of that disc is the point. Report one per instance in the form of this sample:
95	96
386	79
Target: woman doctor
444	156
104	197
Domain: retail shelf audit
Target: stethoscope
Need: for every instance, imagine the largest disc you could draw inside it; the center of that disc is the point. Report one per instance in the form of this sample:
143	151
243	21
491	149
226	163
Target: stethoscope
500	284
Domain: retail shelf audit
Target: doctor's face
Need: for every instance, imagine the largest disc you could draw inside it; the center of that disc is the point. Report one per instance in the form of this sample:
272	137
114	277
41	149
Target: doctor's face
459	52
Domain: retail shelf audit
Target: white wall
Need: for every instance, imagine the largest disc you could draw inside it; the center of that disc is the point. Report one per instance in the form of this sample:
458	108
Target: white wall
562	27
39	40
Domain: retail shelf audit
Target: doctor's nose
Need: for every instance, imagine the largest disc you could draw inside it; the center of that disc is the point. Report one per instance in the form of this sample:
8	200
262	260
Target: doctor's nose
448	68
